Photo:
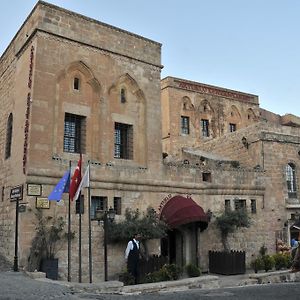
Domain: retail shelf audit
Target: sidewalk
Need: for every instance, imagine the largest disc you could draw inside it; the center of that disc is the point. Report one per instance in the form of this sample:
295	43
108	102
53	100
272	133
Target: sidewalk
203	282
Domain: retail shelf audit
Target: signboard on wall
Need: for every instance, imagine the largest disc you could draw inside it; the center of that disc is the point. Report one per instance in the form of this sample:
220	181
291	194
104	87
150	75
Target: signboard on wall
16	193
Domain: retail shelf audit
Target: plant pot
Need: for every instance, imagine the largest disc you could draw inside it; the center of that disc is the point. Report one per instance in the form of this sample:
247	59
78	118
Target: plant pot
50	267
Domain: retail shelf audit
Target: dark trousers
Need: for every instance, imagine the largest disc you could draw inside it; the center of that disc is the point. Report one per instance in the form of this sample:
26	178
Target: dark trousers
132	268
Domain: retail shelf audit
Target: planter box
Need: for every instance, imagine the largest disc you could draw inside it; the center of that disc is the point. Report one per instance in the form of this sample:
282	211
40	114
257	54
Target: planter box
227	263
50	267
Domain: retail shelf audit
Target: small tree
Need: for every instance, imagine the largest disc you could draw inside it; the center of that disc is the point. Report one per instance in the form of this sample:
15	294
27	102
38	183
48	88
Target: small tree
148	225
49	239
230	221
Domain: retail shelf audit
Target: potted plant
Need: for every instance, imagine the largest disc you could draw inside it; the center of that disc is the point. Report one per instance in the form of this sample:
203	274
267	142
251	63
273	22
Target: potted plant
229	262
49	239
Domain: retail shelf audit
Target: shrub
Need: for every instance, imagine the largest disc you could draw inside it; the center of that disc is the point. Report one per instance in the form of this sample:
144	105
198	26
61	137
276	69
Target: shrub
126	278
280	261
192	270
268	262
257	264
166	273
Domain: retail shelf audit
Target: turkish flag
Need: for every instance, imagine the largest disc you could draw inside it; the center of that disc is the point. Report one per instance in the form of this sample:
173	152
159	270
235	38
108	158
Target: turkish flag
75	181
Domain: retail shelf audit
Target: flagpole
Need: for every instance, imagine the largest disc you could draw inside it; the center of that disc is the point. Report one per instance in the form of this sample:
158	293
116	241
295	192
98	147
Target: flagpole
90	227
69	231
79	242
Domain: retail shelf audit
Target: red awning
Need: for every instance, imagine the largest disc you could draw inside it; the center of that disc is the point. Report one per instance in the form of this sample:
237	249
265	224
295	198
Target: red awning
180	210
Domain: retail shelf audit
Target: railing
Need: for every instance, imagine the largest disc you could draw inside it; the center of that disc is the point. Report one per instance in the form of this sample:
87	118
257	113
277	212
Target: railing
227	263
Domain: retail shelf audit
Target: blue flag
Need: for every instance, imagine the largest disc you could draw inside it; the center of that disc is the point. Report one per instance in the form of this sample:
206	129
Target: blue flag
61	187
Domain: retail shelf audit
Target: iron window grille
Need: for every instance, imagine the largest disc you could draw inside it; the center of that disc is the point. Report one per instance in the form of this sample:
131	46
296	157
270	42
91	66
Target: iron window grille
123	141
185	125
205	127
74	133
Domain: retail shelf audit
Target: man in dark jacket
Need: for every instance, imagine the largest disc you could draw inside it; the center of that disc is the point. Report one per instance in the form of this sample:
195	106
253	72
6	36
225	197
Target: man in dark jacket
132	254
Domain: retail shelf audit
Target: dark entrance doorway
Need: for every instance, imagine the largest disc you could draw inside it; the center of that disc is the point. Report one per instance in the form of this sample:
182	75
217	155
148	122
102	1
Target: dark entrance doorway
171	246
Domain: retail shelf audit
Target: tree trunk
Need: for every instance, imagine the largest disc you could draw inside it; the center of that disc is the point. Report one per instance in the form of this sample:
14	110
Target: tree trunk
225	242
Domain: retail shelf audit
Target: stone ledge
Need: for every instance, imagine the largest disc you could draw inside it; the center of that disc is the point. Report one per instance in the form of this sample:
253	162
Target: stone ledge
35	274
276	277
205	282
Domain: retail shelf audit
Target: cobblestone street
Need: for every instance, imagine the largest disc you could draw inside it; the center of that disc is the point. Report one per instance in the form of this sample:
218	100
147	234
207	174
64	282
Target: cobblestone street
17	285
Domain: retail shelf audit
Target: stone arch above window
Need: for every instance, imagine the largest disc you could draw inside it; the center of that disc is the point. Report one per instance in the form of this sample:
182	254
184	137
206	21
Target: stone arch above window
290	175
82	72
205	107
187	103
127	82
234	112
251	115
9	129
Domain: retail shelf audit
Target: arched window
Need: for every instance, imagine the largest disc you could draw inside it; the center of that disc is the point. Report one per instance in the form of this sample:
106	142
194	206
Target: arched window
76	83
290	172
123	95
8	136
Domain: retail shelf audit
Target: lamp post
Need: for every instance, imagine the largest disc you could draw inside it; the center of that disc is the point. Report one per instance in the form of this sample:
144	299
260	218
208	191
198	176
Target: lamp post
106	216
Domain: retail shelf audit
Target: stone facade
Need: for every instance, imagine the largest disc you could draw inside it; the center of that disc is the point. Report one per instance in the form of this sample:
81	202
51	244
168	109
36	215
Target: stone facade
61	63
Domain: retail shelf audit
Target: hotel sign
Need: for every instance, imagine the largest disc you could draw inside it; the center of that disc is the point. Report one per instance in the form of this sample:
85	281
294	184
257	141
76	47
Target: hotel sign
16	193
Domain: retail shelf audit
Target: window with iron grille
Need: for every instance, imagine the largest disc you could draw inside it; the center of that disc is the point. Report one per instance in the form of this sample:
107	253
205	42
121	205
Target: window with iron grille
9	129
123	141
205	127
97	203
290	172
74	133
253	206
239	204
117	205
185	125
232	127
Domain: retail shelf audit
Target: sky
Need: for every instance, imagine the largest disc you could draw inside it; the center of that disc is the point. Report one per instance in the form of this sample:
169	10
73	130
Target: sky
252	46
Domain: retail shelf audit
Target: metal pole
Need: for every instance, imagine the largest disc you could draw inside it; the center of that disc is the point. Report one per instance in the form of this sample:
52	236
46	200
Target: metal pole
90	230
69	230
79	247
105	245
16	267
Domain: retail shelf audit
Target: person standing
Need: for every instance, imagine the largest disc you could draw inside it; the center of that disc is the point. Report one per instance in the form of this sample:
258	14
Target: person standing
132	254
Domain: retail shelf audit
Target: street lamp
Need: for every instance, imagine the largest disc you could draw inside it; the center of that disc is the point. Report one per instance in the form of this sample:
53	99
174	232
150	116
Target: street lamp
105	216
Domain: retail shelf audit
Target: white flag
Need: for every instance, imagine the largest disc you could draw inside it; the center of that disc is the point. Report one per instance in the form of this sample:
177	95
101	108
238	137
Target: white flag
85	182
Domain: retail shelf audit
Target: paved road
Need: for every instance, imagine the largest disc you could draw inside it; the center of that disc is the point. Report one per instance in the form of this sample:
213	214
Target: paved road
278	291
17	285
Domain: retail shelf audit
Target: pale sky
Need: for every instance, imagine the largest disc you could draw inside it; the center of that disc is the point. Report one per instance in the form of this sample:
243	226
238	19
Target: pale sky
252	46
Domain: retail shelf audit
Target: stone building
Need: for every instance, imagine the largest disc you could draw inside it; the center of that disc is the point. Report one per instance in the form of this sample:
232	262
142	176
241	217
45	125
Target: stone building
70	84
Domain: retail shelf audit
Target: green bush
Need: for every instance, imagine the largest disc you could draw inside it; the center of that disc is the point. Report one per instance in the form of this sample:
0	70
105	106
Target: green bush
257	264
126	278
281	260
268	262
166	273
192	270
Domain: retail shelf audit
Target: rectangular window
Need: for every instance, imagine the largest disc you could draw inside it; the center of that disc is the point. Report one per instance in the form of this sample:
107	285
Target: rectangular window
117	205
232	127
185	125
123	141
205	127
74	133
97	203
227	205
206	176
239	204
253	206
